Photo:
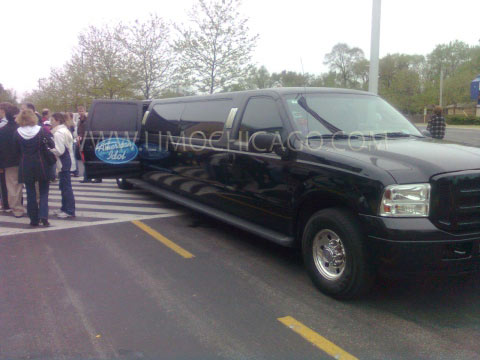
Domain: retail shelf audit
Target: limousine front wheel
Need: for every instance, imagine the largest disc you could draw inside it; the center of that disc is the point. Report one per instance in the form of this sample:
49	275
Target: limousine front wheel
335	255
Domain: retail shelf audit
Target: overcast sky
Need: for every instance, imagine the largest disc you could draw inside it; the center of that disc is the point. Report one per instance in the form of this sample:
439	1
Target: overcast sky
39	35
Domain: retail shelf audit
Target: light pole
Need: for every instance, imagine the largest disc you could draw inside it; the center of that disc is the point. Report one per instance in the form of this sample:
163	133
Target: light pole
374	47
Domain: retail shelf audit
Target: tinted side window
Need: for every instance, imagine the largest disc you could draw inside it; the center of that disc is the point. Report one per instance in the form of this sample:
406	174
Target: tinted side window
165	118
261	114
205	116
115	117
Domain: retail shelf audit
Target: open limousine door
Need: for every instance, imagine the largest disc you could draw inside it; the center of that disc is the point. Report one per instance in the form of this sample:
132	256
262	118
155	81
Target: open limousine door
112	137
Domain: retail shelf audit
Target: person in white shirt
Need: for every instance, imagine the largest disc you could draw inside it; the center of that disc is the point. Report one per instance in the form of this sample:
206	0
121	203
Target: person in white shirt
65	163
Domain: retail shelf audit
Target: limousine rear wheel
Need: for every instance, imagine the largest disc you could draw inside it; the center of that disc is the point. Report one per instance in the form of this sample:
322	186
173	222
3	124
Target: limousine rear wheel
335	255
124	185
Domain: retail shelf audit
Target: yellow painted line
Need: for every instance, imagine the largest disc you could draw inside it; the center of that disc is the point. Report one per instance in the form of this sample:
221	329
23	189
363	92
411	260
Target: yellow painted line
316	339
168	243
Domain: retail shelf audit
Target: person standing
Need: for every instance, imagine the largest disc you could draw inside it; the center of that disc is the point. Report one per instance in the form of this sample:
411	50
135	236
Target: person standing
30	138
10	159
64	151
3	182
81	133
436	124
45	115
70	124
32	107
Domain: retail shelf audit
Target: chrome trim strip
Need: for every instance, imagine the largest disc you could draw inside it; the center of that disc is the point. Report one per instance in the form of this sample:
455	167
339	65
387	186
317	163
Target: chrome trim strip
230	118
271	156
144	120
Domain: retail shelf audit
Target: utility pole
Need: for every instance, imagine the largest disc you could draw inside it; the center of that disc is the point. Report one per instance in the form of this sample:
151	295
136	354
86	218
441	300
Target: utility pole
374	47
441	86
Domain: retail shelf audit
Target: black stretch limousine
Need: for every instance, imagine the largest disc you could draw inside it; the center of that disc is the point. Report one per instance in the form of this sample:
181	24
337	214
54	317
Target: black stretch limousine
339	173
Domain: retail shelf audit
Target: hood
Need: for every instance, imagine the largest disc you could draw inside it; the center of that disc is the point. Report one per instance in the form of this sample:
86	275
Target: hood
60	128
410	160
28	132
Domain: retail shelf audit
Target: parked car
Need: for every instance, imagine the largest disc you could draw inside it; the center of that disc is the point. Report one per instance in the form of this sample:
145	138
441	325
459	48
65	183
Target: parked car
339	173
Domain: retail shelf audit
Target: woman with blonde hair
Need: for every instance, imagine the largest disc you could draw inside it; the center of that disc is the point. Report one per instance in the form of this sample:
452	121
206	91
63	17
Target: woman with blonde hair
30	141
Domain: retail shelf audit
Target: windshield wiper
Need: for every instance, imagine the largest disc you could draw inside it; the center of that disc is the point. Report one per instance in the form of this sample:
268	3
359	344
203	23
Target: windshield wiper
338	135
303	103
392	134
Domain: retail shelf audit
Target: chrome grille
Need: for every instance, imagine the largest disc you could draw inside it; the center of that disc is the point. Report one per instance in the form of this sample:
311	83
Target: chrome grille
456	201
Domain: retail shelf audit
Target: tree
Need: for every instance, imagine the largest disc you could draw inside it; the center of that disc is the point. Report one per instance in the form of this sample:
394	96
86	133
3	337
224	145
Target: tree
360	72
404	92
152	55
291	78
449	56
109	72
329	79
7	95
216	50
260	78
341	60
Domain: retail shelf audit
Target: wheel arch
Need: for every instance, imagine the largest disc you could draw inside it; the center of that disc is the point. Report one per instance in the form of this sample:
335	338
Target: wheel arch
315	201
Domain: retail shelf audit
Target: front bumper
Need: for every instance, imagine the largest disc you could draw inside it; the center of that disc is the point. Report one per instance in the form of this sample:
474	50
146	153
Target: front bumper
413	245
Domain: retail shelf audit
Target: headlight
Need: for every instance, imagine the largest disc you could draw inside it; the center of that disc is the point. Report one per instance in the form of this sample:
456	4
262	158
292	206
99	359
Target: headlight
406	200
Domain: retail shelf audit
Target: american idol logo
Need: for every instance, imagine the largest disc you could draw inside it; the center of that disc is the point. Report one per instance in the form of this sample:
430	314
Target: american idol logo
116	150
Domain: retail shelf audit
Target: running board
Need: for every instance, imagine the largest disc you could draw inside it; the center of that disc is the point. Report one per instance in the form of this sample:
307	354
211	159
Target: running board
274	236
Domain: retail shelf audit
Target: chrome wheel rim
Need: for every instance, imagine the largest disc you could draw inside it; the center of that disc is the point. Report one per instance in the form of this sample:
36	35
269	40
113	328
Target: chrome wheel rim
329	254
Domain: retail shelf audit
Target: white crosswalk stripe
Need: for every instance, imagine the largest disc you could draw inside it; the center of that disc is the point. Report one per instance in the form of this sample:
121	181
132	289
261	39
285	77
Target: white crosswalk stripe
96	204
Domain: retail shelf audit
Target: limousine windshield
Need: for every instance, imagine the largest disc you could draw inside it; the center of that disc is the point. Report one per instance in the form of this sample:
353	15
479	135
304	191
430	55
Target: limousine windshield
349	113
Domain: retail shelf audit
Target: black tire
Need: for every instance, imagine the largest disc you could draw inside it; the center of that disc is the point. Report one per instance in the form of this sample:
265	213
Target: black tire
355	276
124	185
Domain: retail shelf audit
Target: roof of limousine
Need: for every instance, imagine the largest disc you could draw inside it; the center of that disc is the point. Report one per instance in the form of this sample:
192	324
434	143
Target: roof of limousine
309	90
278	90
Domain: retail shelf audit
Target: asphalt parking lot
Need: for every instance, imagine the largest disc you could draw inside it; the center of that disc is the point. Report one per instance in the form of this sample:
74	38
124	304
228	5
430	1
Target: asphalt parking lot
172	284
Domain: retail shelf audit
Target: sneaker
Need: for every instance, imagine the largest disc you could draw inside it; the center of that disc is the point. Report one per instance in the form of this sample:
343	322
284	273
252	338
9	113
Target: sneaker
64	215
57	211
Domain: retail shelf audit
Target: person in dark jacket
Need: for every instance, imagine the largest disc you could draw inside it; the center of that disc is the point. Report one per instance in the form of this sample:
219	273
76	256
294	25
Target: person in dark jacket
436	125
10	159
3	182
33	166
81	133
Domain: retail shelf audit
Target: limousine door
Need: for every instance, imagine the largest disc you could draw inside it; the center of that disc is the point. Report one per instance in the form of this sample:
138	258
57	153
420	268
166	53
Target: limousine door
258	182
110	144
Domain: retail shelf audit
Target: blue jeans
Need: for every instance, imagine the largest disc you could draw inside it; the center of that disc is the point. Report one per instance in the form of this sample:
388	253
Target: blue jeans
53	172
65	185
34	212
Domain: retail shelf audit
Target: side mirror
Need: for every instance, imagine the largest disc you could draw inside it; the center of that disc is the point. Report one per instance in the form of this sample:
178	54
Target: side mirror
426	133
263	142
